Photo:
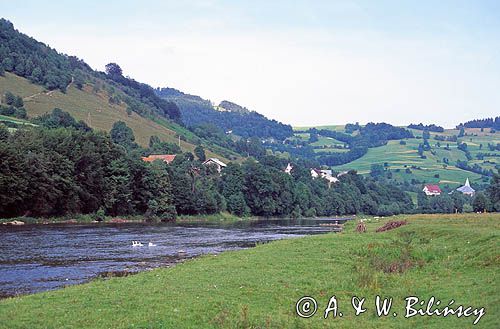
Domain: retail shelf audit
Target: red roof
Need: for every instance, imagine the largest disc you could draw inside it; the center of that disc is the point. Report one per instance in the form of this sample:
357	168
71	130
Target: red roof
165	157
433	188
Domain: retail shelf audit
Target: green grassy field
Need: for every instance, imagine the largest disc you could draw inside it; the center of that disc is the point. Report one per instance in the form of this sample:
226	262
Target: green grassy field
95	109
445	256
404	156
399	157
15	120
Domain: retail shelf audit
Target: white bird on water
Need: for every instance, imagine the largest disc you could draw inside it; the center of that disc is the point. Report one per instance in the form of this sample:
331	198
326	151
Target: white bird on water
137	244
151	244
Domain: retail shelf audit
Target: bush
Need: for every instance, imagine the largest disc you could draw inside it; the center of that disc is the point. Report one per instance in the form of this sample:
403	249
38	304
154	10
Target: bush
99	216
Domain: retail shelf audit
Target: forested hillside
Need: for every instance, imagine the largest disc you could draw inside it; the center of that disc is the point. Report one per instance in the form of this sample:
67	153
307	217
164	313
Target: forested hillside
61	166
227	116
45	79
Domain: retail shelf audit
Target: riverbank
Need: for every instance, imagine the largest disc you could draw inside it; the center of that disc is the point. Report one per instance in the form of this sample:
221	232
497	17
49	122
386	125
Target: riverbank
446	256
89	219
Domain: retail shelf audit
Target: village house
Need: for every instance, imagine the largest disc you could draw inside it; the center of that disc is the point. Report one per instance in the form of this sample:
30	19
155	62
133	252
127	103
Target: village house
168	158
325	174
431	190
466	189
216	162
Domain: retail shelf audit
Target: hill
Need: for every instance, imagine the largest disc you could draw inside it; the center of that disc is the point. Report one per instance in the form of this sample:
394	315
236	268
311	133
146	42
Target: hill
442	161
227	116
46	79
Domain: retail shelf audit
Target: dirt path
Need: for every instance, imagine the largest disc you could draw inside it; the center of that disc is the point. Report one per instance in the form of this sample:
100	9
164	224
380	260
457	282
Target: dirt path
48	93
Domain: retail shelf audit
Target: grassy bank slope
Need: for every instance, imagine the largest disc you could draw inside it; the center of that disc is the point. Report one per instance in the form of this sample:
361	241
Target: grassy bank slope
95	109
447	256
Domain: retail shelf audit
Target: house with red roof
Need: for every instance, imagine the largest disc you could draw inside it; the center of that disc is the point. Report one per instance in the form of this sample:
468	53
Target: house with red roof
168	158
431	189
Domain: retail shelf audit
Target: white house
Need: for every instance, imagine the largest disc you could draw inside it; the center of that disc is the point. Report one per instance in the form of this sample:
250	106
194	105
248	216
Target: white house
216	162
431	190
325	174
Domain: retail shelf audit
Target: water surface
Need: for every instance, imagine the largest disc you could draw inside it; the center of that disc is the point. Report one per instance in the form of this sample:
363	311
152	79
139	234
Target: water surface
35	258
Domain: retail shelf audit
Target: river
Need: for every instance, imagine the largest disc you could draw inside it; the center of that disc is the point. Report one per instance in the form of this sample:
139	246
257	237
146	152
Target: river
36	258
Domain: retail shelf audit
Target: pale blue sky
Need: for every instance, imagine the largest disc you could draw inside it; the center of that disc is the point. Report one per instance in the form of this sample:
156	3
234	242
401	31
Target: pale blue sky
302	62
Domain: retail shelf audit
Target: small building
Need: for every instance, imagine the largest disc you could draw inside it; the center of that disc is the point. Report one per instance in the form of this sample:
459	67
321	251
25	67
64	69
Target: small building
216	162
431	189
466	189
288	169
168	158
325	174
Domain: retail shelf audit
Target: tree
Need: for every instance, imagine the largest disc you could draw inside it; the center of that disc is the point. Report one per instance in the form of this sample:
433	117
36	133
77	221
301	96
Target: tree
21	113
376	170
461	132
18	102
423	202
123	135
78	79
153	141
8	64
113	69
313	137
199	151
36	75
9	98
480	203
232	187
4	133
494	191
162	203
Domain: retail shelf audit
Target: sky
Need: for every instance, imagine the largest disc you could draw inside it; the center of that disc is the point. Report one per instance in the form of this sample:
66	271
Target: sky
301	62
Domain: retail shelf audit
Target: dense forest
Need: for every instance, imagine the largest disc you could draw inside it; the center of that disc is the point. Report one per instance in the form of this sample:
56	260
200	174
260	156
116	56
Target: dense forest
230	117
35	61
64	167
493	123
432	127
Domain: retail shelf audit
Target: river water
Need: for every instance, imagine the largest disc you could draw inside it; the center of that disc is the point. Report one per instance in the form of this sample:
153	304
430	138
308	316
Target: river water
36	258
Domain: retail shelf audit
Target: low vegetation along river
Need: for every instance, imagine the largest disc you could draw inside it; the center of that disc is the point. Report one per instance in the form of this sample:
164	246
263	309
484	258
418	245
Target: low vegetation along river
35	258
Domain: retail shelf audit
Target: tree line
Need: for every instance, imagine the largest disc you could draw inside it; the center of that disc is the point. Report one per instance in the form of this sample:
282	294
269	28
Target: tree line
493	123
64	167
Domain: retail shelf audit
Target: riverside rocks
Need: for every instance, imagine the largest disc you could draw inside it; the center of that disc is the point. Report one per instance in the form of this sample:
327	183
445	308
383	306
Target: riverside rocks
14	223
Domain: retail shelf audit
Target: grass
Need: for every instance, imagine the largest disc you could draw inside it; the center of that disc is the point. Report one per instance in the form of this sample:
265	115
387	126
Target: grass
446	256
95	109
15	120
221	217
400	157
90	218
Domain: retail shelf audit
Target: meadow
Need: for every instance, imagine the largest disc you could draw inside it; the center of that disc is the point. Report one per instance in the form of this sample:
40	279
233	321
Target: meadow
405	163
94	108
445	256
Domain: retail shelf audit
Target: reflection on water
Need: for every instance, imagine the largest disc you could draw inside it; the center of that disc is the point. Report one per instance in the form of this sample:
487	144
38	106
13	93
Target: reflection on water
43	257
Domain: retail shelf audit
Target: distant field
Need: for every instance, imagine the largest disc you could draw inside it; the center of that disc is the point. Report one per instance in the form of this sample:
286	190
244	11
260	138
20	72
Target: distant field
405	156
328	127
400	158
94	109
